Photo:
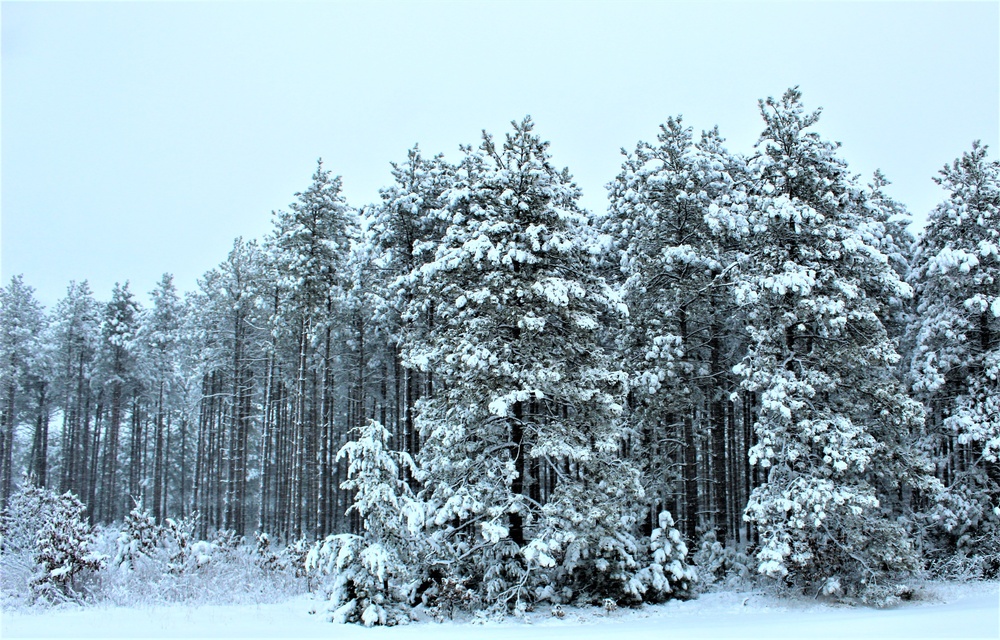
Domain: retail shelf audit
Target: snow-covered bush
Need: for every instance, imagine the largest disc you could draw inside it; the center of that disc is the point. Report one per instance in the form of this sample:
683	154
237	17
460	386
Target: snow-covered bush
139	537
370	577
180	534
26	513
833	541
668	575
266	558
964	531
721	566
295	555
63	550
167	563
445	595
368	581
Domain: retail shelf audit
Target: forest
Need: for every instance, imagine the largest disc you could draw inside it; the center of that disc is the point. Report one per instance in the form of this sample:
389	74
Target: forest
475	393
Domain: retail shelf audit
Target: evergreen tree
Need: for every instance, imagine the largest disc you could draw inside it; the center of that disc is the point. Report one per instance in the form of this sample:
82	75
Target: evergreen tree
310	249
230	335
674	258
956	357
404	231
159	338
833	419
525	388
22	323
117	356
373	573
63	548
76	335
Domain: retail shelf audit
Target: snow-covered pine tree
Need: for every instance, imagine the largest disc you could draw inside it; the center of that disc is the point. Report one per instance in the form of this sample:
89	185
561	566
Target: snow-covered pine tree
403	231
886	227
230	325
63	549
955	366
665	215
523	432
309	250
832	416
138	538
373	573
117	357
159	338
22	322
75	335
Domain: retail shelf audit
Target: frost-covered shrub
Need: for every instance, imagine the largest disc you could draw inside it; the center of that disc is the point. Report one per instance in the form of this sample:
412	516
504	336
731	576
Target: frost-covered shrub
368	583
266	558
26	513
964	531
226	541
616	566
295	556
179	533
667	575
369	577
63	551
444	595
24	517
721	566
139	537
834	542
174	566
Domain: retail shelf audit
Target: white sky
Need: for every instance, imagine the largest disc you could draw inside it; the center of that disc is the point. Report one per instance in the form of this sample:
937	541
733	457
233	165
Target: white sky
140	138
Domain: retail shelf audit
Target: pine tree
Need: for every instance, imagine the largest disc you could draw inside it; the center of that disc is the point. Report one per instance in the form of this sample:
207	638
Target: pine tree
373	573
118	360
230	331
22	323
75	335
63	549
832	417
956	357
404	231
310	249
673	256
525	389
159	338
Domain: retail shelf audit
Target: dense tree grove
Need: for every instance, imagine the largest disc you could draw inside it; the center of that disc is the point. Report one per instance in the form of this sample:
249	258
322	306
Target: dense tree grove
476	393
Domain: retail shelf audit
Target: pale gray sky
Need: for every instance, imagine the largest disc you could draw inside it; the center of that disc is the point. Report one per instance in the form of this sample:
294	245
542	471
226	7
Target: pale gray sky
139	138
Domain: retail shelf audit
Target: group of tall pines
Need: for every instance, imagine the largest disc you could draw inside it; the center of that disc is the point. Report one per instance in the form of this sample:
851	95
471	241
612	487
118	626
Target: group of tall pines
750	348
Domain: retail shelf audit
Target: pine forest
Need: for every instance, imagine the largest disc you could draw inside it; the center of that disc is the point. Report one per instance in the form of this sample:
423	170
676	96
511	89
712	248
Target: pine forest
476	394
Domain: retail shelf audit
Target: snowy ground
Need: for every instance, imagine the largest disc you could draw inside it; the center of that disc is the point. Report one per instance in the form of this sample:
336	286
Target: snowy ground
943	611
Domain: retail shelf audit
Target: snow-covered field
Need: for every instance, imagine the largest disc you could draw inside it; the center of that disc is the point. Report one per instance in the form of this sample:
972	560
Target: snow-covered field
942	611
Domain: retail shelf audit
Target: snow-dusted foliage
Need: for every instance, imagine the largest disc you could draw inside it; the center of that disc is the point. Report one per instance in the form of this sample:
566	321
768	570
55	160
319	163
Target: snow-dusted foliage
832	419
719	565
524	385
668	217
404	228
955	366
139	537
577	400
62	547
667	574
370	577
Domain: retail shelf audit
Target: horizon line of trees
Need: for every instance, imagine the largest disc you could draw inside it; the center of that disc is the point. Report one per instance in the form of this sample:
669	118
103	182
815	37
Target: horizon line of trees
754	344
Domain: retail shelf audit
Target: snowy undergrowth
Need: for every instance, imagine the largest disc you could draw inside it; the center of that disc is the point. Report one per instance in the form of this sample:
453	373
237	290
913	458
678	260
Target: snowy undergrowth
944	610
137	563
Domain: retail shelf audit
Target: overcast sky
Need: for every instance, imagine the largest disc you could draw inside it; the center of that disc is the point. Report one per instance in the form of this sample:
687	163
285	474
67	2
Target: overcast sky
142	138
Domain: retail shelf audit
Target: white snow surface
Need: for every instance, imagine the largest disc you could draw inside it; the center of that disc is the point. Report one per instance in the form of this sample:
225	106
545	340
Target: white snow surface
942	610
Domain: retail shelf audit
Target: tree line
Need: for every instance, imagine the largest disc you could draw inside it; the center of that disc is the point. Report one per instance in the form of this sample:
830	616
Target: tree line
753	345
